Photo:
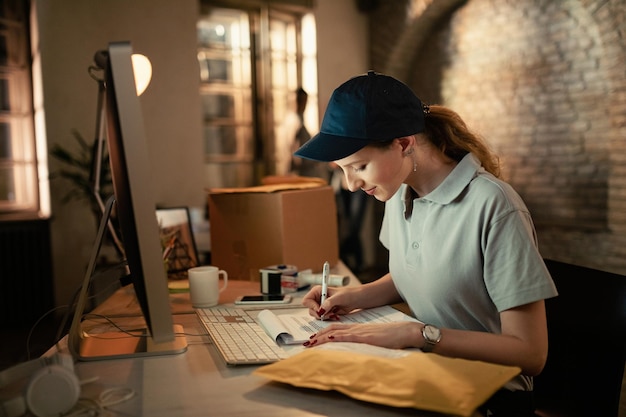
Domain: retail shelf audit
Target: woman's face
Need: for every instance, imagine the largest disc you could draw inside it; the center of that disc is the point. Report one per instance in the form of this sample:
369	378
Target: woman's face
377	171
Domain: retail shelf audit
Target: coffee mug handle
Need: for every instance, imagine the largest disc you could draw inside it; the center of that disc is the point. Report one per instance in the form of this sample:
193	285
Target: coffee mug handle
225	275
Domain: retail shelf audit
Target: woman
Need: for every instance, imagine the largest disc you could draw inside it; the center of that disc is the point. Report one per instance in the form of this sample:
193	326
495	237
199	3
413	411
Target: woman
462	246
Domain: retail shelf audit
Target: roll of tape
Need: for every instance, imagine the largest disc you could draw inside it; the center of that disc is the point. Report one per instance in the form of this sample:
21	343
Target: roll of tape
271	277
333	280
270	281
284	269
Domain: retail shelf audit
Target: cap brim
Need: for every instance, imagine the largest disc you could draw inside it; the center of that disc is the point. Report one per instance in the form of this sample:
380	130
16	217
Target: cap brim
326	148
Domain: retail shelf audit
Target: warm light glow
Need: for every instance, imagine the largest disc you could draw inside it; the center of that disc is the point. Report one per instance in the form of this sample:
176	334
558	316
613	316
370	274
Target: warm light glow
309	71
143	72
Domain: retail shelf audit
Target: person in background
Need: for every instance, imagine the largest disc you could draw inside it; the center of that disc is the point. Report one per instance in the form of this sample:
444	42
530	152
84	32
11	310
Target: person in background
294	134
463	252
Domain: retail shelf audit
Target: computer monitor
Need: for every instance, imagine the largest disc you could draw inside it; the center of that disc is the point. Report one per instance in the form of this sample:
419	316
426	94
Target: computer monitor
135	209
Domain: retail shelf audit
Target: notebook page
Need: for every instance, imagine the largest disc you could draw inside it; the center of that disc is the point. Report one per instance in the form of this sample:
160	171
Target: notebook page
294	328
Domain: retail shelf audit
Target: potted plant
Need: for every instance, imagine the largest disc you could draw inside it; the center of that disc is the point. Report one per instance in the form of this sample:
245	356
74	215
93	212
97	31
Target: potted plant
78	168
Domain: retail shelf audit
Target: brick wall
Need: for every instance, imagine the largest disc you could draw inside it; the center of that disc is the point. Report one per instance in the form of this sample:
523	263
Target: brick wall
545	83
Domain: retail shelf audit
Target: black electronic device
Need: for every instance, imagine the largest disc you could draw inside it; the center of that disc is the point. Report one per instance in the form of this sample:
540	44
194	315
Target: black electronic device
264	299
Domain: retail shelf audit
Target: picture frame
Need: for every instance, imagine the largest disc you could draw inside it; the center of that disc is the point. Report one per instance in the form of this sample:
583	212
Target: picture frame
177	240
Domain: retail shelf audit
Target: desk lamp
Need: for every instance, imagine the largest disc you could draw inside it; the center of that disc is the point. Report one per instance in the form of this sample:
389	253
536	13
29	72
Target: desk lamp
142	69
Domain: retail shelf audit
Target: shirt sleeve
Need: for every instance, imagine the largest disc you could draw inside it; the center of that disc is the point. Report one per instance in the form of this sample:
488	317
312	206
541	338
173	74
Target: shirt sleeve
514	271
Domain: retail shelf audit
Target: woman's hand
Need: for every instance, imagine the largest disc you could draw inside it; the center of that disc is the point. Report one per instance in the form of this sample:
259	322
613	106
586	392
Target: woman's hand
338	301
342	300
390	335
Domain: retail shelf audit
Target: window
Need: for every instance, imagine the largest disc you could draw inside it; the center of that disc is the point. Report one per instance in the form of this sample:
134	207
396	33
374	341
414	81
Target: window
252	60
19	190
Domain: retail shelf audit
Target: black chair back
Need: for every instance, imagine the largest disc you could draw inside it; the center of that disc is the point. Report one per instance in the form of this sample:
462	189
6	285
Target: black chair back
587	343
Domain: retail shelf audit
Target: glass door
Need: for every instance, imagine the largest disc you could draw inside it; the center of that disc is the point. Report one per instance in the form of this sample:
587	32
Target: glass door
252	61
225	59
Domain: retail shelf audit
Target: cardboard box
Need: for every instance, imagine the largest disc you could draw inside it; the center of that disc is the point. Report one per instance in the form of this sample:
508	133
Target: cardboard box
257	227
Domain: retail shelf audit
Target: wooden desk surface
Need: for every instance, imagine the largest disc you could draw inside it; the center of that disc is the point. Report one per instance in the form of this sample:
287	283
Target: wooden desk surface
123	302
198	383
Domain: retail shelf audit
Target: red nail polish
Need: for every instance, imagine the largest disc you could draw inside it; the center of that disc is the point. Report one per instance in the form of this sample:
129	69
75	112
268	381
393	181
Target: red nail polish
313	342
313	335
321	312
331	337
307	343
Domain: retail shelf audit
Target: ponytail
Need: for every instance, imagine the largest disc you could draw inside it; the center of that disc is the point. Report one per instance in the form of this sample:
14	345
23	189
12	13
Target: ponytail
448	132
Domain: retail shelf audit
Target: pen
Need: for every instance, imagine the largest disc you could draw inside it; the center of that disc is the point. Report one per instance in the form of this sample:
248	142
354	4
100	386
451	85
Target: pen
325	275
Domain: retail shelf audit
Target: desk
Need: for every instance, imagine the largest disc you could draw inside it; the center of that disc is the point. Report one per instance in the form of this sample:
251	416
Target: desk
198	383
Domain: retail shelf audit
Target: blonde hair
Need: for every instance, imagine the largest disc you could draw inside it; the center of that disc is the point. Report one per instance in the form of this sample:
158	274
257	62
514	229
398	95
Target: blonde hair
448	132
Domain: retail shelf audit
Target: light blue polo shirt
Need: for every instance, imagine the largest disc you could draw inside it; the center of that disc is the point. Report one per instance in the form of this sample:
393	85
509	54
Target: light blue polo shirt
464	252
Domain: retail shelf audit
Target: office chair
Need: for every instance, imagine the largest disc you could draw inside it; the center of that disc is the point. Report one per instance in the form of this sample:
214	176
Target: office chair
587	344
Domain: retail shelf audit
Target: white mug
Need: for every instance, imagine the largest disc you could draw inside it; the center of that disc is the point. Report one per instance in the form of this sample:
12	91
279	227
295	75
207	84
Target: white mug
204	287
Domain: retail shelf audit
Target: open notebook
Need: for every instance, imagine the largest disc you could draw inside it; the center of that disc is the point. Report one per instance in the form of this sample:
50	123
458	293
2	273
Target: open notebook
242	339
296	328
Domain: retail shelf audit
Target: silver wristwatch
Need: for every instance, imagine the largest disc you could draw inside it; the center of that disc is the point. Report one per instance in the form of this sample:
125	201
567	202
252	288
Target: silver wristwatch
432	336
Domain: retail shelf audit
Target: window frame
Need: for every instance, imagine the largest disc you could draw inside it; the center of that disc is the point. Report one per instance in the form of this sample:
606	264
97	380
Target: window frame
19	160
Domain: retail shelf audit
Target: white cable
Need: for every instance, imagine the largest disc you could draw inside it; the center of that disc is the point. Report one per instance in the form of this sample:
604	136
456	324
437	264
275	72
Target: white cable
87	407
115	396
89	380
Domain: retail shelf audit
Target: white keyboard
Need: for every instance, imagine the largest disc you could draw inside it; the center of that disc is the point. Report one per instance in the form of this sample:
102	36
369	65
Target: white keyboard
238	337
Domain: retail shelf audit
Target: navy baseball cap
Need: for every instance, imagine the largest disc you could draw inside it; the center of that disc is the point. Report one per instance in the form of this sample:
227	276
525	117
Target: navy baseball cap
365	109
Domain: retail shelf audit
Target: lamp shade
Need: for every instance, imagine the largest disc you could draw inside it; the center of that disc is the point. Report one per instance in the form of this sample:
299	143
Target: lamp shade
143	72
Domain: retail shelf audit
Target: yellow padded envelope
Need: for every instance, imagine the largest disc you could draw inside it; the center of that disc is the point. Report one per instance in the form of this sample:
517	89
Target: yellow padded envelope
419	380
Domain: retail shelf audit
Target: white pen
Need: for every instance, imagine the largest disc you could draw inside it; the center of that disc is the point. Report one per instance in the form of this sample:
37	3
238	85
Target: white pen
325	276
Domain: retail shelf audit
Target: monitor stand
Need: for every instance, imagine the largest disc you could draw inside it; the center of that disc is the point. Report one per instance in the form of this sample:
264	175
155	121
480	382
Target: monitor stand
117	344
135	343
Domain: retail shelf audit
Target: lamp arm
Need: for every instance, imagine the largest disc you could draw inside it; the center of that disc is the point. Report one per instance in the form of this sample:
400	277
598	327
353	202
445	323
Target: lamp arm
96	171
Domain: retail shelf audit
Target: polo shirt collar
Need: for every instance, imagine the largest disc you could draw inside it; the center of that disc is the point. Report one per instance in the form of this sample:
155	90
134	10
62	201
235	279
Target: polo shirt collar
450	188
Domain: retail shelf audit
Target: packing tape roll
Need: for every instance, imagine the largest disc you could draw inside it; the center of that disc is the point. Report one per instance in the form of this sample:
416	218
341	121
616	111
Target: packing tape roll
284	269
271	277
333	280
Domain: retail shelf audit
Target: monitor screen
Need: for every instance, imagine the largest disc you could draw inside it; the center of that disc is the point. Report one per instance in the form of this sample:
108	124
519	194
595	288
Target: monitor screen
135	210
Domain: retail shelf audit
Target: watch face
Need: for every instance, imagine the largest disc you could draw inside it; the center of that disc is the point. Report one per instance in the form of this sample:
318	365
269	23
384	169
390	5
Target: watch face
432	333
